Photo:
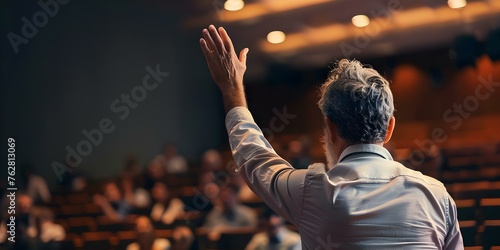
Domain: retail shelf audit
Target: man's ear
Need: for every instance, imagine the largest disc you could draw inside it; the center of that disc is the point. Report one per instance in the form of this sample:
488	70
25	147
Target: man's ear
390	129
332	130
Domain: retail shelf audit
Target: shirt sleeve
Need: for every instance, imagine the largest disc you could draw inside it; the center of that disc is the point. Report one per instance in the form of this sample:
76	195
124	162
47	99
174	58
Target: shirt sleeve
453	238
269	176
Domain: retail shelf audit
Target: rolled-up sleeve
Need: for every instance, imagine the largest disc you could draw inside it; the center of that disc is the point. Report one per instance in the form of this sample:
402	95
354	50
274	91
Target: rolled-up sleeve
272	178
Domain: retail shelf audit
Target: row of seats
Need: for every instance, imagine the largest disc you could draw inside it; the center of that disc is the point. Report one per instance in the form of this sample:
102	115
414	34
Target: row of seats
83	224
485	209
121	239
474	190
487	234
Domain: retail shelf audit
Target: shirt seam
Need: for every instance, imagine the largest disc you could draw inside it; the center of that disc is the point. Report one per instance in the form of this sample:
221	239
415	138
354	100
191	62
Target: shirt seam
306	179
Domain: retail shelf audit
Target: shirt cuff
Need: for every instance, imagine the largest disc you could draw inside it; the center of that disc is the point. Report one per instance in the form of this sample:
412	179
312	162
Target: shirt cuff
237	114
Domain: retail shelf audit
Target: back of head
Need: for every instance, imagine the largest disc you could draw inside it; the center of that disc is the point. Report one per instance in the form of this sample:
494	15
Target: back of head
358	101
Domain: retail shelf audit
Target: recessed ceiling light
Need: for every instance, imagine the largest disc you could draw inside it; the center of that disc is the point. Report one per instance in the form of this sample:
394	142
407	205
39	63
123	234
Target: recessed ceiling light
276	37
234	5
360	21
457	4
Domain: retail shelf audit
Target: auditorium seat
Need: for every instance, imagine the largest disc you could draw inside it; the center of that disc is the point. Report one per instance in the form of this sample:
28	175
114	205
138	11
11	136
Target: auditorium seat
106	224
466	209
491	234
97	240
81	224
255	204
58	200
92	210
474	190
473	248
468	229
490	208
69	241
164	233
235	240
125	238
72	210
78	198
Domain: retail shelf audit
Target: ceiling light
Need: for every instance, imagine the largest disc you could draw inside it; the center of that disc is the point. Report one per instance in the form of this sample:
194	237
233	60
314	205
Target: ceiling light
234	5
360	21
457	4
276	37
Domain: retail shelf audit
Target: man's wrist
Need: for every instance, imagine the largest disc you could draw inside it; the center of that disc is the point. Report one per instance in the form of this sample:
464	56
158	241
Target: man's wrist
235	98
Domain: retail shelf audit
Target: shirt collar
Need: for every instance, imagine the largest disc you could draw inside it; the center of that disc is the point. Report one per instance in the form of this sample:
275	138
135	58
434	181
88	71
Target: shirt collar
365	148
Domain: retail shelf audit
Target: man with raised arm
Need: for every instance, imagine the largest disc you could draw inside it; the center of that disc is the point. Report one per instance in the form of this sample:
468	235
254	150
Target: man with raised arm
362	198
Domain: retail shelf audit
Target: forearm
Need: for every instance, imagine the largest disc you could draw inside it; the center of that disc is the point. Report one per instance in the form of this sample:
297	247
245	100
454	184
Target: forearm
267	174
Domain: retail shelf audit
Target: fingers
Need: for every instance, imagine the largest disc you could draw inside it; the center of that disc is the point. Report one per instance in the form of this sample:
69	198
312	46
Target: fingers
228	44
243	56
206	50
216	38
209	41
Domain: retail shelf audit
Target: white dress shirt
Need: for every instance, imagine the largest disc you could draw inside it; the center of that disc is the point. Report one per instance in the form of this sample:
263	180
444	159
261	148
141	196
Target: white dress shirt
366	201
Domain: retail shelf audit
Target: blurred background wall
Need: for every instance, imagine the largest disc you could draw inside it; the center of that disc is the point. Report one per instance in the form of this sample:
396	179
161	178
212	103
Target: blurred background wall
66	77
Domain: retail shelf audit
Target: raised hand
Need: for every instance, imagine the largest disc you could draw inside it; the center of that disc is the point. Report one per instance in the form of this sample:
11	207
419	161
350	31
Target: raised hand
226	67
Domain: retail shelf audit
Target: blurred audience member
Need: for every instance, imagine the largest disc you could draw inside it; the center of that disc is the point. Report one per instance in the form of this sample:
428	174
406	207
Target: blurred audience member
298	154
132	169
229	214
78	183
172	162
167	207
36	187
245	194
276	237
209	191
146	239
136	196
211	177
112	203
48	235
212	161
183	239
154	172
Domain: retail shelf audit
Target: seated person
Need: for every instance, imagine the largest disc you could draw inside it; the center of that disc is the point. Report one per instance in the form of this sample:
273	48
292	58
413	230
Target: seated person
112	202
146	239
166	208
172	162
183	239
276	237
228	214
48	234
154	173
137	197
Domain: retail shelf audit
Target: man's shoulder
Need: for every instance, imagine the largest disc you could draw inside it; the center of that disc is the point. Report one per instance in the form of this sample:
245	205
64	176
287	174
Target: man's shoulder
428	180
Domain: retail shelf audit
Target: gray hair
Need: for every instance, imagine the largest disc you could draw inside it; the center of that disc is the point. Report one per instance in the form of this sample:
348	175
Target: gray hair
358	101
